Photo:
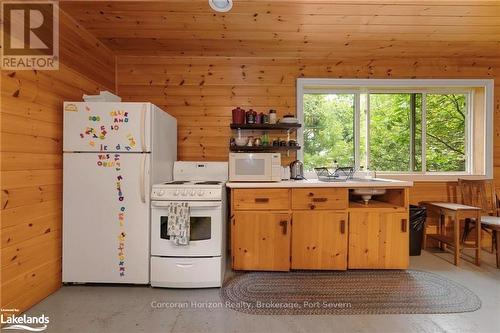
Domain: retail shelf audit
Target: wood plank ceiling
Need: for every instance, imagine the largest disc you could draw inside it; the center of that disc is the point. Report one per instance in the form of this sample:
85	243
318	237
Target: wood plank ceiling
296	28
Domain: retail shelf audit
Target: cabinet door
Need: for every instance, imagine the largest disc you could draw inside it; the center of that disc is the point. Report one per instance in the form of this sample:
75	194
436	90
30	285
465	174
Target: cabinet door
261	241
319	240
378	240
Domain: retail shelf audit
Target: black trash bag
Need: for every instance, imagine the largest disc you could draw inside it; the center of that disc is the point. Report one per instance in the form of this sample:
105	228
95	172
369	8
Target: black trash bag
418	214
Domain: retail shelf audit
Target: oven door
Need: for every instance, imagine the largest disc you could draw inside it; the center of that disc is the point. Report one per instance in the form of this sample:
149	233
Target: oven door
206	230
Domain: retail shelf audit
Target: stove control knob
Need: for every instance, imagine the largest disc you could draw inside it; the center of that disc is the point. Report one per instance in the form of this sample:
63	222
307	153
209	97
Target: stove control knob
184	193
193	192
176	193
161	192
200	193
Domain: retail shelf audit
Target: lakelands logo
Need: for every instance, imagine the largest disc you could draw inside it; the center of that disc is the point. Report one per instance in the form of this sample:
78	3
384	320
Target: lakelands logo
24	322
30	35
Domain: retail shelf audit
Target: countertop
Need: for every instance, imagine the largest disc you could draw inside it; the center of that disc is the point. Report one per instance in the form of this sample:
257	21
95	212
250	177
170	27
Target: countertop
353	183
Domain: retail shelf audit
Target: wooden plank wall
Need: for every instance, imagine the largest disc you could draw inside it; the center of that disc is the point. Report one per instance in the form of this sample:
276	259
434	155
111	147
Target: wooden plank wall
31	162
201	92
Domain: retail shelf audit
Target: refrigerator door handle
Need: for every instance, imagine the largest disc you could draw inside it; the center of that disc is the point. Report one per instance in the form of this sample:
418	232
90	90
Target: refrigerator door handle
143	127
143	179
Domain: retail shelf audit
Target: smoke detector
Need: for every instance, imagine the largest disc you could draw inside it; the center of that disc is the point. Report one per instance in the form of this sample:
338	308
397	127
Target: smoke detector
221	5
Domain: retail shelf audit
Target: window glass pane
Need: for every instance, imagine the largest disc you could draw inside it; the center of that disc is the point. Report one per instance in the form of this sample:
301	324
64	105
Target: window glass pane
328	130
445	145
201	228
390	132
417	143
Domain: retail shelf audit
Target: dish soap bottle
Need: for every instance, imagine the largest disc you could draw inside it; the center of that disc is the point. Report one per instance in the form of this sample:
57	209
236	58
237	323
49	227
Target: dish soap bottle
368	174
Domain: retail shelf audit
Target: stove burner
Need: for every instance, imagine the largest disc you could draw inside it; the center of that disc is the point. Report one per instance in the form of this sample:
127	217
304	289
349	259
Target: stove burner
208	182
176	182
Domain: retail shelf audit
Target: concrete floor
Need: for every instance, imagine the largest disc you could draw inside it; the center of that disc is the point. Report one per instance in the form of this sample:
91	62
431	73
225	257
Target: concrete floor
129	309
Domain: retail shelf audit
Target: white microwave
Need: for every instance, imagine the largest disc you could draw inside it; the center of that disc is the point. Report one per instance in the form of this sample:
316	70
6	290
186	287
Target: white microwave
254	167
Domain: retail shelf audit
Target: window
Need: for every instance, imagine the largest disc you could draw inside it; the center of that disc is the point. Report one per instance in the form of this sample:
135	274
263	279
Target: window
426	127
329	129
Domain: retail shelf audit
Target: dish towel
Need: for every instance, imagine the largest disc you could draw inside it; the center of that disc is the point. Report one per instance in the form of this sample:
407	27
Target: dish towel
178	226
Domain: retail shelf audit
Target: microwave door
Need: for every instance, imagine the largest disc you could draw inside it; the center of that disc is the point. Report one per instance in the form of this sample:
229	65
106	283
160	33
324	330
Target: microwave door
252	168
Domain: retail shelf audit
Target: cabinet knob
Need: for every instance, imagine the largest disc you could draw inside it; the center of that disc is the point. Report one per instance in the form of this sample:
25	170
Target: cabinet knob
311	206
403	224
261	200
342	226
284	226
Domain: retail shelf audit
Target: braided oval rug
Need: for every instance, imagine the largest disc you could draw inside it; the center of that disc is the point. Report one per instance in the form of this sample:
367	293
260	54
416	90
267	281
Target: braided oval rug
346	293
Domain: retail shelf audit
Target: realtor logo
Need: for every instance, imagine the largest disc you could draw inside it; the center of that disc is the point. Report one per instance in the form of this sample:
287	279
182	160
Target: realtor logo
30	35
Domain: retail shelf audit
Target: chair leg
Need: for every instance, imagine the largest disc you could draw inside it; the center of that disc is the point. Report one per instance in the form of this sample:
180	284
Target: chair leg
497	245
478	240
467	229
494	240
456	240
442	231
490	232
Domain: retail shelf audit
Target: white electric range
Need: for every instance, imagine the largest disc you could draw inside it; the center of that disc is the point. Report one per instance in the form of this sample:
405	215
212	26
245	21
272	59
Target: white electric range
201	263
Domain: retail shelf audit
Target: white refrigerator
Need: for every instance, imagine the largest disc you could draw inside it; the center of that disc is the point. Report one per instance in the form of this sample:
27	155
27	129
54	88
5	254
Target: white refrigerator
113	152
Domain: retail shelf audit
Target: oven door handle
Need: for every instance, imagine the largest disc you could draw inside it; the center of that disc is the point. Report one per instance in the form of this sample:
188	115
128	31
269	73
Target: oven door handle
191	204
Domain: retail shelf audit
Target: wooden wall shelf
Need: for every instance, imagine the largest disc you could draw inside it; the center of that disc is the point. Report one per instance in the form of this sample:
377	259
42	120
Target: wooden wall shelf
279	126
264	149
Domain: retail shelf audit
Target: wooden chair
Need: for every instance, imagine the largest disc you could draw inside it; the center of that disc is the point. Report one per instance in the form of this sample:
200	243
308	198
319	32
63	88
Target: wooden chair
481	193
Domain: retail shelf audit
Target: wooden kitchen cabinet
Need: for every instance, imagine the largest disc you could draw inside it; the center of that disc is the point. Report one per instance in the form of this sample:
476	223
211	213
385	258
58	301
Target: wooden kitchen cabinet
378	239
261	241
319	240
328	228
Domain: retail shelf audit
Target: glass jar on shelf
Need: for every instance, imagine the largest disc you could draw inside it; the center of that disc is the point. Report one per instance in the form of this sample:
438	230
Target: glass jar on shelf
272	117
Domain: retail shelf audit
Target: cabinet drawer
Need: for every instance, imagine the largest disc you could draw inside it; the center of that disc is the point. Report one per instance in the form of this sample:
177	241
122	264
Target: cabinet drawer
261	199
320	198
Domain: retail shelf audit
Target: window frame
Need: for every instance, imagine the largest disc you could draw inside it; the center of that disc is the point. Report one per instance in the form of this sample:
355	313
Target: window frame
424	86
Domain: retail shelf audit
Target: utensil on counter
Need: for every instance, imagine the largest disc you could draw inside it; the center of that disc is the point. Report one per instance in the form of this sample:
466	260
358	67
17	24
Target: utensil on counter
297	170
285	173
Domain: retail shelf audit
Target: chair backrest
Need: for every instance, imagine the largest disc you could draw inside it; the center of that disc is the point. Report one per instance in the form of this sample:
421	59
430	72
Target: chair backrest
478	193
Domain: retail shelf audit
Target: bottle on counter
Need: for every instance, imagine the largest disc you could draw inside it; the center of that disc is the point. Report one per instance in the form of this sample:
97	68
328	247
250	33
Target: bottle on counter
272	117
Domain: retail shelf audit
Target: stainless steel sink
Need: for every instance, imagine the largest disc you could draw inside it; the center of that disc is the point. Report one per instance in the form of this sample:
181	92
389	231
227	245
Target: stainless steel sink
368	180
